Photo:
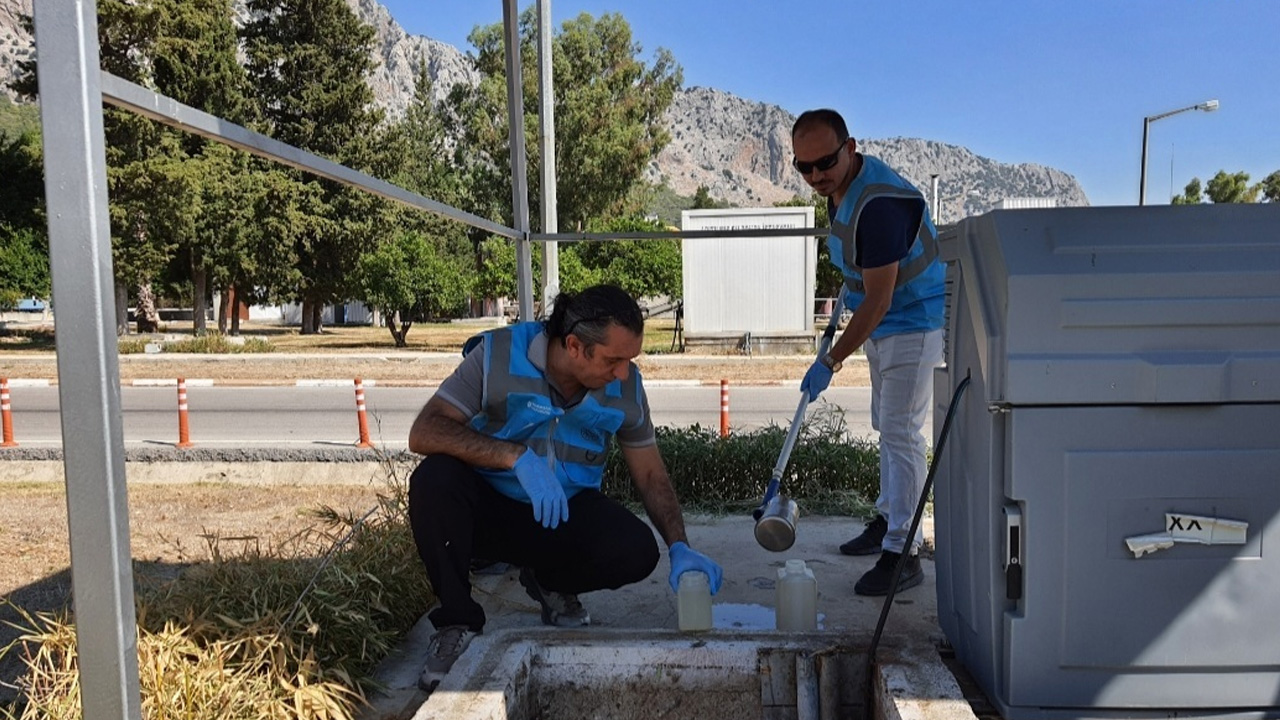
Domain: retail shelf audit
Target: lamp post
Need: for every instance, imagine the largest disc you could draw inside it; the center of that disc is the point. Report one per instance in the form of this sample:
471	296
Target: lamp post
1207	106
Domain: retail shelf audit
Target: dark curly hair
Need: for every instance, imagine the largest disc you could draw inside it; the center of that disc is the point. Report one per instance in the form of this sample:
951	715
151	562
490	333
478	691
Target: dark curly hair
588	314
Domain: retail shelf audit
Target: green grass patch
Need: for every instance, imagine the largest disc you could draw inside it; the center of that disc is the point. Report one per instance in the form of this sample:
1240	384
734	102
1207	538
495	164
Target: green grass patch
131	346
210	344
218	344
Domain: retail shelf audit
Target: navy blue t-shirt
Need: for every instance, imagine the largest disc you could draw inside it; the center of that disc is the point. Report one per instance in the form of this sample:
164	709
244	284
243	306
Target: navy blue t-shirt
886	229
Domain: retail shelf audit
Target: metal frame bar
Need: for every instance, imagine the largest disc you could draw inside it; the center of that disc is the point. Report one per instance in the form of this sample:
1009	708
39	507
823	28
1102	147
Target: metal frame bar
75	168
519	159
130	96
680	234
547	120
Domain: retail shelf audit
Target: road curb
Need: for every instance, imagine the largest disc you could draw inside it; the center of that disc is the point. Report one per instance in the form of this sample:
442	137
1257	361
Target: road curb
168	382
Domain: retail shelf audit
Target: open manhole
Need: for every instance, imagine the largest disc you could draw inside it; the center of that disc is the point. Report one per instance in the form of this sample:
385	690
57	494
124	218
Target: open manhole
619	676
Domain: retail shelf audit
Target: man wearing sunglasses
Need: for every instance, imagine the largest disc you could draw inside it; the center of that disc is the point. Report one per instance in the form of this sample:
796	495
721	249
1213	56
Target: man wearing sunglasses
515	444
885	245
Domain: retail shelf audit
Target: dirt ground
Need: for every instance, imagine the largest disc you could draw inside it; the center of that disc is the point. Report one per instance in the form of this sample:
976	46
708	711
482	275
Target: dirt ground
367	353
395	370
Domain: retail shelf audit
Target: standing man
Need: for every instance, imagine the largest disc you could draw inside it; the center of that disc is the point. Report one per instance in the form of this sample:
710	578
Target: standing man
515	444
884	243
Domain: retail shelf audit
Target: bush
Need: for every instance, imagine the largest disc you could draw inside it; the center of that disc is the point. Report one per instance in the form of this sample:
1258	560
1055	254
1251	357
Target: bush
131	346
829	471
216	343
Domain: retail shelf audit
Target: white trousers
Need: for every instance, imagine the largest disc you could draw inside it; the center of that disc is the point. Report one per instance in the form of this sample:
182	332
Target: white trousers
901	395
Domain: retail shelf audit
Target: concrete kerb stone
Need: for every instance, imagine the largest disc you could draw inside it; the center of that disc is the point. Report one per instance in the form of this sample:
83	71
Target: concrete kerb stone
270	465
919	691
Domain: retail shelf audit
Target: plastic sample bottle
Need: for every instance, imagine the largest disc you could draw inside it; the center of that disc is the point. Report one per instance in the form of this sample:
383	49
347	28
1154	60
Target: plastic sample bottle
797	597
694	602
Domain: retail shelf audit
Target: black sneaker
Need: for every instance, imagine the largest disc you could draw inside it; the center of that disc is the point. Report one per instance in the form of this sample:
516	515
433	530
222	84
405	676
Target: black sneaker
447	645
489	567
559	609
876	580
868	543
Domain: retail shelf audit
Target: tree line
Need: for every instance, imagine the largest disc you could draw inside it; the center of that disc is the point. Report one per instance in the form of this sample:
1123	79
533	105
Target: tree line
1228	187
190	216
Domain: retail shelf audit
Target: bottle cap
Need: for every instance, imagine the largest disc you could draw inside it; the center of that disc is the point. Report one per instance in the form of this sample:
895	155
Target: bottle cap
795	566
694	579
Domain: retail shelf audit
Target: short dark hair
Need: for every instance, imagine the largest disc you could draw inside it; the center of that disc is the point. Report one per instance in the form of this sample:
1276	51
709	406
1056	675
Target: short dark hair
588	314
823	116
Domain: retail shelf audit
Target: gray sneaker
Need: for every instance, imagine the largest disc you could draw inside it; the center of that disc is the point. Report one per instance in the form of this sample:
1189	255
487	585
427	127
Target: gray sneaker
560	609
446	646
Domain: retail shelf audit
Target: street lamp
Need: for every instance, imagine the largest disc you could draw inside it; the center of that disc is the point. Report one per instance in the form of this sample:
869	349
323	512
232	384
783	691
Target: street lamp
1207	106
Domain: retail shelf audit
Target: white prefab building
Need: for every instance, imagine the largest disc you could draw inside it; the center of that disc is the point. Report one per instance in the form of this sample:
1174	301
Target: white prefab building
751	292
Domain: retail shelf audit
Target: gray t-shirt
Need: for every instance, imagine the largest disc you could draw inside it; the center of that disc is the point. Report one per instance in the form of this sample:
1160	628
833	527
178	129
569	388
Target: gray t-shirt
464	389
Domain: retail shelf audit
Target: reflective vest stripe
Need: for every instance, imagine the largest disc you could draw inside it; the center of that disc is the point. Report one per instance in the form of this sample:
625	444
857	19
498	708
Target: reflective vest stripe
909	267
517	407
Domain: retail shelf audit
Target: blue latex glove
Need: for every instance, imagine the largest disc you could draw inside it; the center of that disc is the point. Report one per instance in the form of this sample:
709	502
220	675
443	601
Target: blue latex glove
816	380
685	558
550	504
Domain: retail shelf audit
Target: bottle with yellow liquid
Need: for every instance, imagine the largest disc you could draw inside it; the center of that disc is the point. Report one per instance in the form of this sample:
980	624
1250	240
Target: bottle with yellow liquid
693	601
797	589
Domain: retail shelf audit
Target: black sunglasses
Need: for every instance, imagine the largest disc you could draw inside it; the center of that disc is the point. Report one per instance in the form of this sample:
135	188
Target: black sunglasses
824	163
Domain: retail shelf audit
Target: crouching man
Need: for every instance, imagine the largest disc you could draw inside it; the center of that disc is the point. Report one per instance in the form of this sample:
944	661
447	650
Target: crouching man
515	444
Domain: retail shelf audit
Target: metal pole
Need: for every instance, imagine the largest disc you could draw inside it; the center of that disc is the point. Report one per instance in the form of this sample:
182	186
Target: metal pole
546	113
1142	187
937	206
88	371
1207	106
519	161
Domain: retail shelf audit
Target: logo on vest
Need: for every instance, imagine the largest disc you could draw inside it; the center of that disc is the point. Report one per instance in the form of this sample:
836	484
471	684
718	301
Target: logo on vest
593	435
542	409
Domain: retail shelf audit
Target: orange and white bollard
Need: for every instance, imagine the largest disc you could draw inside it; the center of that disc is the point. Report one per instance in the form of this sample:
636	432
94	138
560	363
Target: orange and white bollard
362	416
184	428
724	408
6	416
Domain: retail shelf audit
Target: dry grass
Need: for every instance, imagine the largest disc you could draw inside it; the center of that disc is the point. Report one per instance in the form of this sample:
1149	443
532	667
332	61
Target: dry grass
286	632
282	614
257	675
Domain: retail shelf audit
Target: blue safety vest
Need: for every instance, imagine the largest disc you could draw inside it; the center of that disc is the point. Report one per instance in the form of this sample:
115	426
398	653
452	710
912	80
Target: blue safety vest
918	295
516	406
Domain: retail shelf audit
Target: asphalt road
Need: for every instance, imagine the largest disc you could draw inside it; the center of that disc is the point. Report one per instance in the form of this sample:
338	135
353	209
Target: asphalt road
319	416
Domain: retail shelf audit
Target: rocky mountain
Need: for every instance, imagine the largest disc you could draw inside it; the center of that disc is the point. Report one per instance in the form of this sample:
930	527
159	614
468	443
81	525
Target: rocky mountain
739	148
15	43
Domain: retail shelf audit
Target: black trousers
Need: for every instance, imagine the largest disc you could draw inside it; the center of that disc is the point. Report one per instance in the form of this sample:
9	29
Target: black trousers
456	515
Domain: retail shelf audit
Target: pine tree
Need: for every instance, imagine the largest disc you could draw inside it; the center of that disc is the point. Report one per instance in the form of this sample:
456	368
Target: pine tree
308	61
193	61
608	109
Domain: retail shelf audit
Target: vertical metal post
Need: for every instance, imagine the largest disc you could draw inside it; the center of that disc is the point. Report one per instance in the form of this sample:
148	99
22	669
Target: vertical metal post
1142	186
546	114
519	160
88	373
937	206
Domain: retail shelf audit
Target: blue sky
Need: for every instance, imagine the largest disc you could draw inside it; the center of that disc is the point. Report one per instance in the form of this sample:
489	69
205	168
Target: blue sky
1060	83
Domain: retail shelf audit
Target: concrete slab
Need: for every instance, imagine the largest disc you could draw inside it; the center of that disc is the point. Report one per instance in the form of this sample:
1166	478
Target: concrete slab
743	612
